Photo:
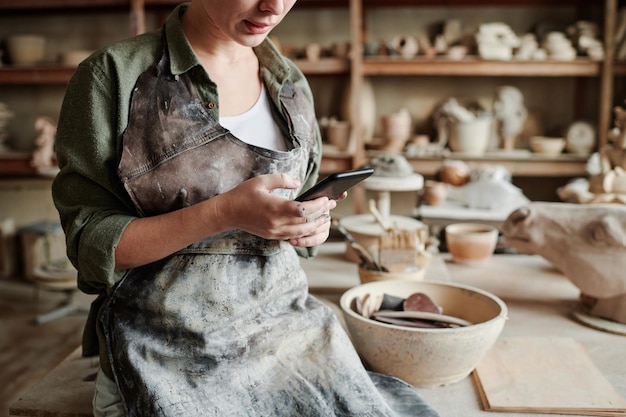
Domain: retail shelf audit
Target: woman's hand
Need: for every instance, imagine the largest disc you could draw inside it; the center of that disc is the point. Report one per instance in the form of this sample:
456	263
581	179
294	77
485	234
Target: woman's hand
252	207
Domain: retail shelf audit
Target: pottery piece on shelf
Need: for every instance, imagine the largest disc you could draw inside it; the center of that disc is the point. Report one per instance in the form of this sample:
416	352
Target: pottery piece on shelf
44	156
405	46
496	41
313	51
396	129
462	129
510	113
433	193
580	138
490	188
471	138
547	146
559	47
528	47
454	172
26	49
338	134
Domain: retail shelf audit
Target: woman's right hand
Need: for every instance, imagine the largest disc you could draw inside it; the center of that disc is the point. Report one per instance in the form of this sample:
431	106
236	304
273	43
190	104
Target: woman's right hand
253	207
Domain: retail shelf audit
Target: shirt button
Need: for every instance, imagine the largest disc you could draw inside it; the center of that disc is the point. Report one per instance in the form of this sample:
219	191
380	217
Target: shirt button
212	105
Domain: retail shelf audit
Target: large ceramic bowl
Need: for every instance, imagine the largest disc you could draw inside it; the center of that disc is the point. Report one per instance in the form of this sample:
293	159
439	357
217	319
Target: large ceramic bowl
426	357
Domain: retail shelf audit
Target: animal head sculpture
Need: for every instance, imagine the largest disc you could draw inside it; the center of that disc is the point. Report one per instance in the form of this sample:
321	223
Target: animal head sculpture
586	242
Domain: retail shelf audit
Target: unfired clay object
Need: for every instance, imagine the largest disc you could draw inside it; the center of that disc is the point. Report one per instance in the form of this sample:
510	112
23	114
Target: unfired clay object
586	242
511	114
405	46
44	156
396	129
463	130
496	41
489	188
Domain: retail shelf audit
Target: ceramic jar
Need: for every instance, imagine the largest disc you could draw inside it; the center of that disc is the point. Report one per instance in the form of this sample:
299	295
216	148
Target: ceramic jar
396	129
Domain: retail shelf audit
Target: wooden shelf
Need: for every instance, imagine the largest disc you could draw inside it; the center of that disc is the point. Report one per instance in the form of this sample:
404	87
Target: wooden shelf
324	66
528	166
49	74
16	165
478	67
92	4
59	74
59	4
472	3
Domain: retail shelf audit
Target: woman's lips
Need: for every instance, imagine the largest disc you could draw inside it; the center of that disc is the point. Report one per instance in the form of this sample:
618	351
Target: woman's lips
258	28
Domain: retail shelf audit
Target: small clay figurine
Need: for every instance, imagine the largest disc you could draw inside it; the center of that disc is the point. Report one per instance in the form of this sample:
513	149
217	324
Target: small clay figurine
43	156
511	114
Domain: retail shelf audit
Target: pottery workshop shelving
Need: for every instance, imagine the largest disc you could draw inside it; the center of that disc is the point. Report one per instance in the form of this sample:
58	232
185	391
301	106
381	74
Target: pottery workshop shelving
585	85
582	80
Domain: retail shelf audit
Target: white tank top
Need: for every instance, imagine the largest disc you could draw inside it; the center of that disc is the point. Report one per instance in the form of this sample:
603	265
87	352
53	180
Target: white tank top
257	126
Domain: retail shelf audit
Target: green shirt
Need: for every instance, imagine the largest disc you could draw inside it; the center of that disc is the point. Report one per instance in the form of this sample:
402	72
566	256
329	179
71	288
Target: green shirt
93	205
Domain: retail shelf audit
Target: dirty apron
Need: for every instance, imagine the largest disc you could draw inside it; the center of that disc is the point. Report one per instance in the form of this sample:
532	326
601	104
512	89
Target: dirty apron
226	327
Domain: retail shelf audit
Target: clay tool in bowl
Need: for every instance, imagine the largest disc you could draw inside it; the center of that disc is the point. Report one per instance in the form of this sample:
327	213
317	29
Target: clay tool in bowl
365	257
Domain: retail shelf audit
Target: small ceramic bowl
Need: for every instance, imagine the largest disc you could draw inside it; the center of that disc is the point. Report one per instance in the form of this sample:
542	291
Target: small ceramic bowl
471	243
426	357
546	145
26	49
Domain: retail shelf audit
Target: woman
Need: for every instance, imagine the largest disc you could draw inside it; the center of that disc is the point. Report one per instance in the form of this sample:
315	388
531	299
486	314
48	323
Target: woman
181	151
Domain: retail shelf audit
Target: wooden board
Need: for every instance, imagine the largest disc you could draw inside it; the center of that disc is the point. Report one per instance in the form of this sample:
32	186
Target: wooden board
65	392
545	375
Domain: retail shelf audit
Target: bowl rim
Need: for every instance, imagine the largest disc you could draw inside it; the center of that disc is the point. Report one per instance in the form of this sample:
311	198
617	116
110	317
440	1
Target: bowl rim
347	297
488	228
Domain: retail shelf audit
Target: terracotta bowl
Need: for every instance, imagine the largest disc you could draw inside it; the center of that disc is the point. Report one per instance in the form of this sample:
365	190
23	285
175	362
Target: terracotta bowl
471	243
426	357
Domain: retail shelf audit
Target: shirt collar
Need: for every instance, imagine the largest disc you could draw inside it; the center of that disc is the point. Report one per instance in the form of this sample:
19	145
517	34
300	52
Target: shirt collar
182	57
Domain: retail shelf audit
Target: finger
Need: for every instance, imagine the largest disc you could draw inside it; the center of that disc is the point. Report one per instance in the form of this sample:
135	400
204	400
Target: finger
311	227
311	240
315	208
276	181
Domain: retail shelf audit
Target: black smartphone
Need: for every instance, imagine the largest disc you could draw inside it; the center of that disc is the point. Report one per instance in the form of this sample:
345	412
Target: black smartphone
335	184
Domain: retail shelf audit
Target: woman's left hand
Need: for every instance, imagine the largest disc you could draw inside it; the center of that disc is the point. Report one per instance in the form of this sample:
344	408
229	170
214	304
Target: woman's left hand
319	234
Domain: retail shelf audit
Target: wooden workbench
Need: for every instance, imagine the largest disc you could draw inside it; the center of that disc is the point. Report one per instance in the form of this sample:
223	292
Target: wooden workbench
540	301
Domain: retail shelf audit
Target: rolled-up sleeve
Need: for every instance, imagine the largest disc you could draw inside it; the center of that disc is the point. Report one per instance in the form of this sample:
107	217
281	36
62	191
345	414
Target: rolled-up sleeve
93	207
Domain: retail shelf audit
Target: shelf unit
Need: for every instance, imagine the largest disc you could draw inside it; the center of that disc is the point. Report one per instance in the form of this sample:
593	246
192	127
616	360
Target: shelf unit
358	67
581	68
